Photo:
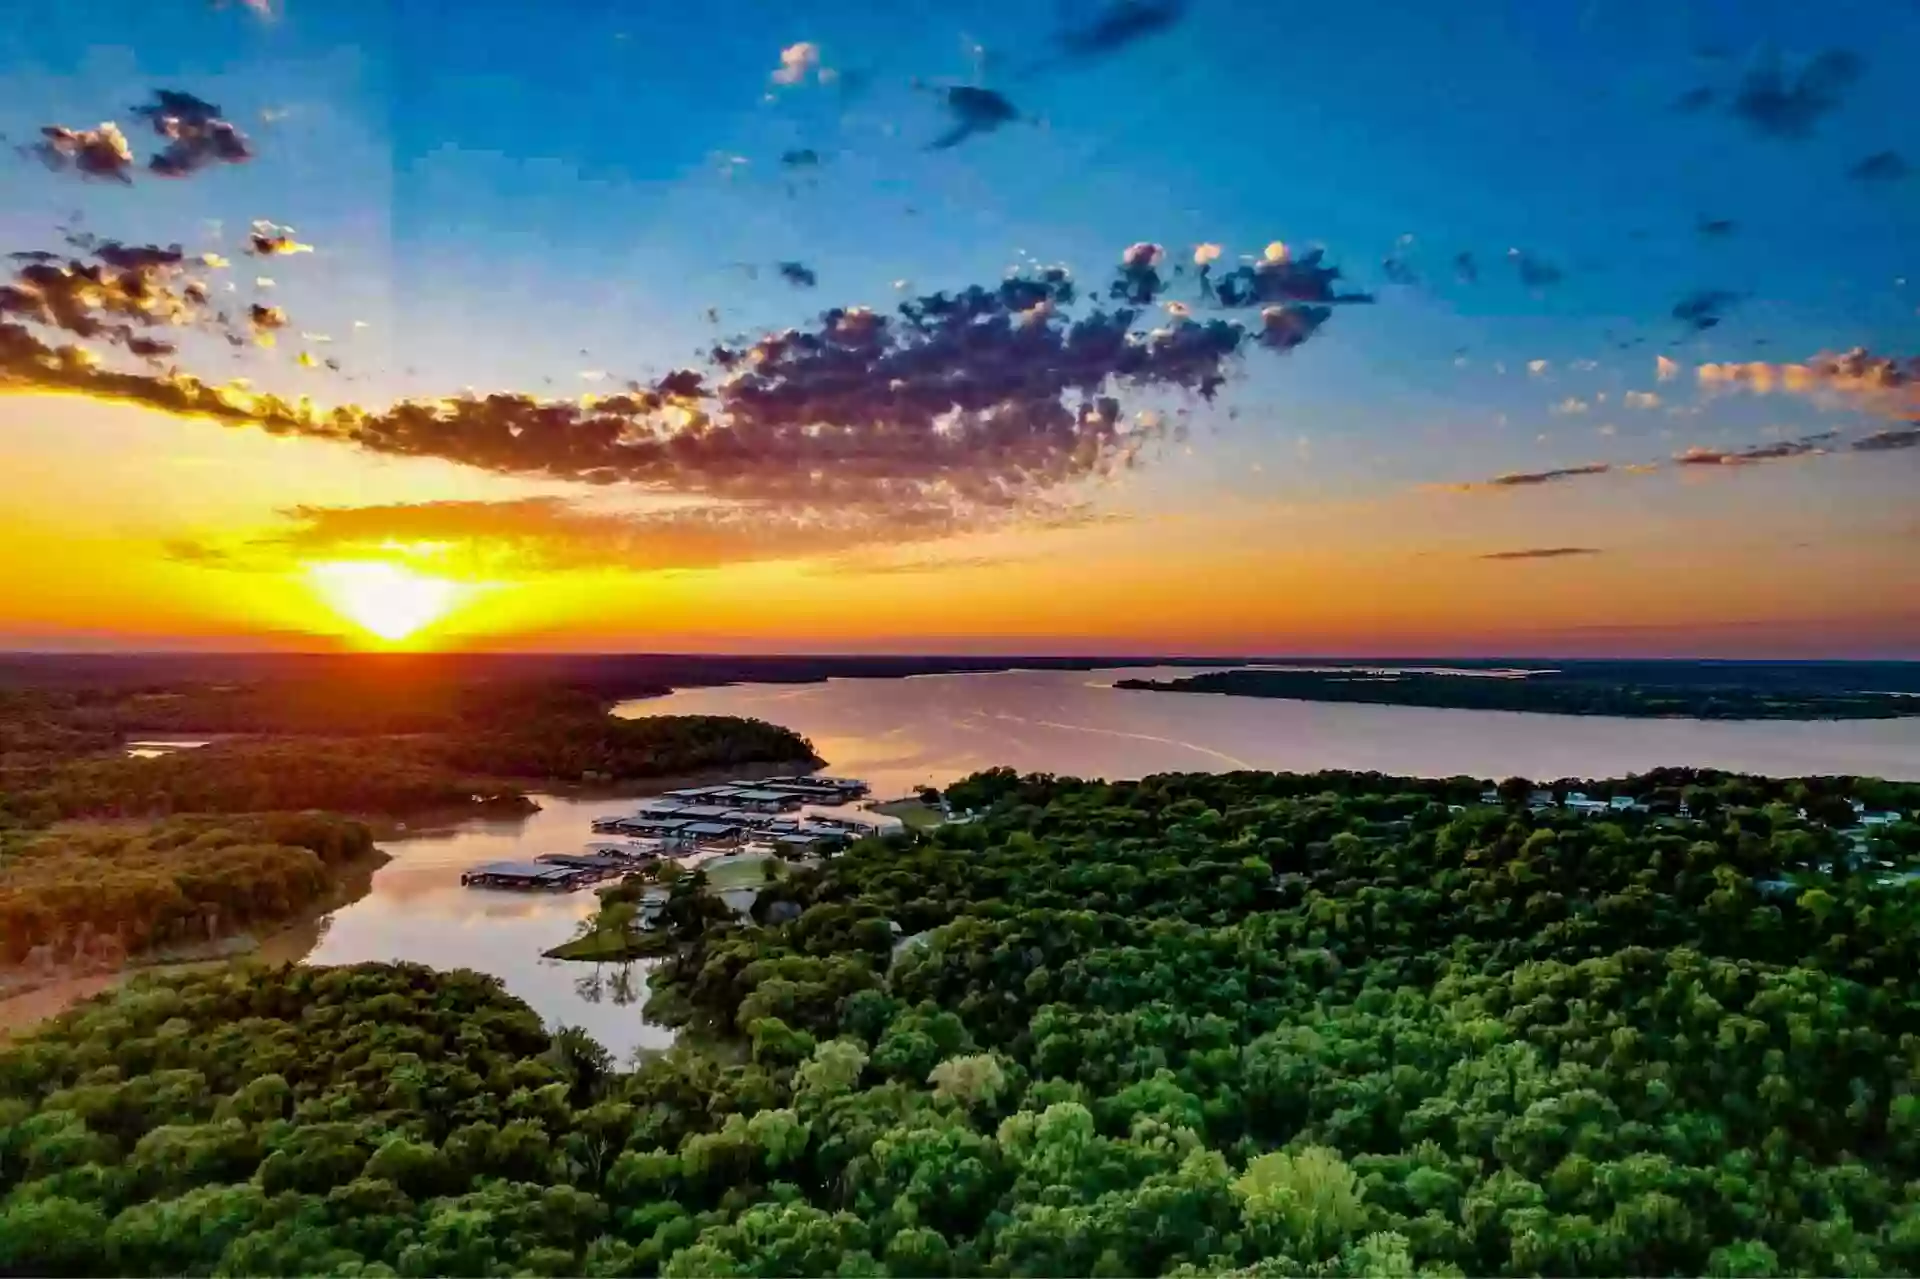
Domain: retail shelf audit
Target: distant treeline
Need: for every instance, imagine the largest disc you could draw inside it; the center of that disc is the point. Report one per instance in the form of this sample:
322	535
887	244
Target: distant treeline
1707	691
382	738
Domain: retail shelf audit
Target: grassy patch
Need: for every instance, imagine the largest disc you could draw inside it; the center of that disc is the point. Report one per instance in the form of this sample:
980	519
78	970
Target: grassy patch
613	946
914	814
747	873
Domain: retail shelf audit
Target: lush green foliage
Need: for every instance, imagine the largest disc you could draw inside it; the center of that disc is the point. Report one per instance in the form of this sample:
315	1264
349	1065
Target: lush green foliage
364	776
110	891
1574	692
1196	1025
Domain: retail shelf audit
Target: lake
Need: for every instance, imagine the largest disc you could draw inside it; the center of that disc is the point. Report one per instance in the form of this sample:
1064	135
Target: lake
930	730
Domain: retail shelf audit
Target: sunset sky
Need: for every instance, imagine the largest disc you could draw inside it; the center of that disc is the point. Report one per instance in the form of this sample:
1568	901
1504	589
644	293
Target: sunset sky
1599	403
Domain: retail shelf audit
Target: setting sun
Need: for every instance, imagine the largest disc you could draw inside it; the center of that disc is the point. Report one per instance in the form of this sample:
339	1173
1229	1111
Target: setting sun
386	600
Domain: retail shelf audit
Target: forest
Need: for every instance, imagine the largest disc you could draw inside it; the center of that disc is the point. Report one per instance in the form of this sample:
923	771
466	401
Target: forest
103	893
375	740
1714	691
1242	1024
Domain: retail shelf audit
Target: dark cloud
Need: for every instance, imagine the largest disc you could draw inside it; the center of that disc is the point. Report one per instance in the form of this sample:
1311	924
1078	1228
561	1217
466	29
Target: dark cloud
1398	270
1120	24
1535	273
1542	553
974	110
798	274
1525	479
802	158
119	299
1776	105
1278	279
1717	228
978	401
1703	309
1780	451
1889	440
195	133
1465	269
1694	101
1881	166
101	152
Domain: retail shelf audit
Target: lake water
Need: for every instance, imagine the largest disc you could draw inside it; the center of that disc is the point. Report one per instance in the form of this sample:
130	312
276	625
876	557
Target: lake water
930	730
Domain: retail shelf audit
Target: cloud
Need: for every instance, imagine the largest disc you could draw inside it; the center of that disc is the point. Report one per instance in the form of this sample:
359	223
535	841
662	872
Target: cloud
1536	368
1570	407
1465	269
979	401
1206	254
1542	553
1641	400
1782	450
1776	105
1879	384
1119	24
101	152
1531	479
1279	278
1881	166
867	566
798	274
1535	273
195	133
538	535
1703	309
1664	369
974	110
1716	228
800	158
267	240
1891	439
797	62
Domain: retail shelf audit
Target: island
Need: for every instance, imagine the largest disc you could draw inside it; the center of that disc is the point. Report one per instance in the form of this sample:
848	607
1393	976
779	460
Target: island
1646	690
1250	1024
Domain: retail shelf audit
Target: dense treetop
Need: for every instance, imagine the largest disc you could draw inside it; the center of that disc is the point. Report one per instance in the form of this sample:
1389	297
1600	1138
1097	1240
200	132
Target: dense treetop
1273	1025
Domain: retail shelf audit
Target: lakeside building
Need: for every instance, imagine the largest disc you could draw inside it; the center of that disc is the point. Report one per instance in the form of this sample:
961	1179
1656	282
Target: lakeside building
539	876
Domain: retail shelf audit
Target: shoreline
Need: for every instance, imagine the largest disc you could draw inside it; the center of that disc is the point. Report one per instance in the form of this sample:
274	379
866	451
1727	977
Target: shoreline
35	1002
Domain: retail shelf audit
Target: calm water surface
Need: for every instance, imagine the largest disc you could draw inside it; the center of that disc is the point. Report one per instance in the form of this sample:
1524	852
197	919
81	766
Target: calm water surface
901	733
932	729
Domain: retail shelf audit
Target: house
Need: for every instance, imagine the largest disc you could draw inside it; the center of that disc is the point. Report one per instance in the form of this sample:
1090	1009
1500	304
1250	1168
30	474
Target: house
670	831
768	801
713	834
1626	804
1581	803
1878	819
706	812
659	807
525	875
638	851
1489	796
1540	799
598	865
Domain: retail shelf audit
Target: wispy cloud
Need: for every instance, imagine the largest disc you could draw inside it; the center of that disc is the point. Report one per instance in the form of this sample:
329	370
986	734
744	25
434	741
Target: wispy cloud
1531	479
1777	105
1542	553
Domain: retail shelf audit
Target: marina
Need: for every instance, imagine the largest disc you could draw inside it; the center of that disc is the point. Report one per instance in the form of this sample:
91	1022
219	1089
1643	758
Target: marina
690	826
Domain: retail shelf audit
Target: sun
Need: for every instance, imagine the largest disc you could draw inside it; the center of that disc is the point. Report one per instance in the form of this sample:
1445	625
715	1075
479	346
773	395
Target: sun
389	601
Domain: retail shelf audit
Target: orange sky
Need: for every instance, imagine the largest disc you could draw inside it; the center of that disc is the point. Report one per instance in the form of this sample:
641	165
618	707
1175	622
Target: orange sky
166	531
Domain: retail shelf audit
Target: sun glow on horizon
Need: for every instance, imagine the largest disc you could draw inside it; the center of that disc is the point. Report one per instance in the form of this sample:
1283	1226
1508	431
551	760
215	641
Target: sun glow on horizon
389	601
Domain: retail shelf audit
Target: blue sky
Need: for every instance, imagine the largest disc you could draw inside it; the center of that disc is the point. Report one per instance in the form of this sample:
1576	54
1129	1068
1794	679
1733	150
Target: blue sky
515	194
